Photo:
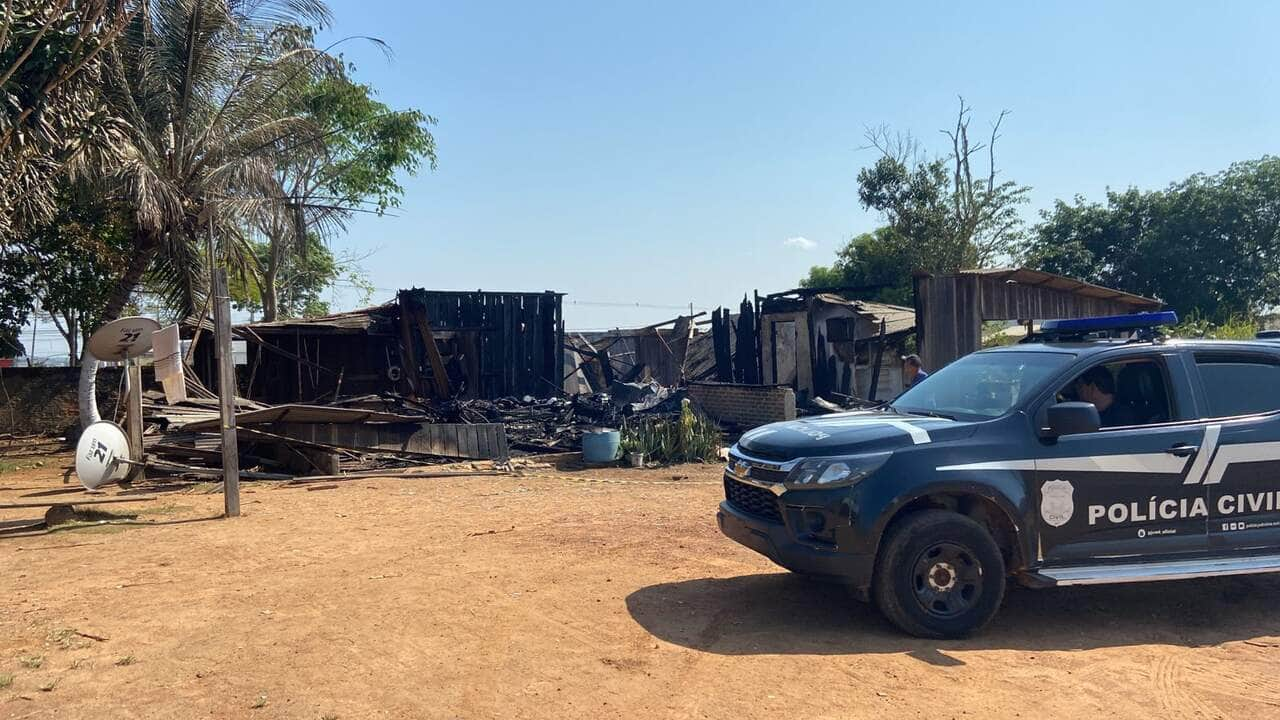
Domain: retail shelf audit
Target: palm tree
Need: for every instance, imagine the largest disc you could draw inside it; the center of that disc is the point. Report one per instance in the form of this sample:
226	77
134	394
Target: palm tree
203	90
52	119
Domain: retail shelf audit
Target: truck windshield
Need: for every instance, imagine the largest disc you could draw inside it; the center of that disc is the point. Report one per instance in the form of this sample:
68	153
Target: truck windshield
981	385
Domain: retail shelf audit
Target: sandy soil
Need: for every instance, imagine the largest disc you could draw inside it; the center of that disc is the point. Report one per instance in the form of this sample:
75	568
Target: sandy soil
591	594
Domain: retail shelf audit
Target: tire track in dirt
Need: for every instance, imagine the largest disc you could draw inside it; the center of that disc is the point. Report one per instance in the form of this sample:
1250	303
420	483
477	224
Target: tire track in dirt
1251	681
1171	680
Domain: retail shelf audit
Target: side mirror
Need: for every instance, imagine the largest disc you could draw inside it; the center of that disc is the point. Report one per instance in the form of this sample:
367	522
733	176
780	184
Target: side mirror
1070	418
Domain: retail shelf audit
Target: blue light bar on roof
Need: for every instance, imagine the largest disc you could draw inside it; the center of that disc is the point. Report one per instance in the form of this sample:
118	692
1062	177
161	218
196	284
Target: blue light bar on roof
1111	322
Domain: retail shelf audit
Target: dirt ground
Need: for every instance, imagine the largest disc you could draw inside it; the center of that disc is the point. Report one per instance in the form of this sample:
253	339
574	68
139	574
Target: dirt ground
587	594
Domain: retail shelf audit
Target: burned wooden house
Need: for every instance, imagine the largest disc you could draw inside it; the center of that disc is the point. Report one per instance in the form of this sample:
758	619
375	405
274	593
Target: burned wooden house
829	343
824	344
425	344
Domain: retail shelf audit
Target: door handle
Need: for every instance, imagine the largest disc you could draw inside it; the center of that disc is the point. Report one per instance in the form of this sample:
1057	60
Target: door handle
1183	450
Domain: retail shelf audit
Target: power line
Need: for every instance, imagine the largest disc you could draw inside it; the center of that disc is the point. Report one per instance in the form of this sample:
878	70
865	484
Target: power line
601	303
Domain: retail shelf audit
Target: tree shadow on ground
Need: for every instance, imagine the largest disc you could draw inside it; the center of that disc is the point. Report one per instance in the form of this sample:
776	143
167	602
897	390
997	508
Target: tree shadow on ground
88	522
782	613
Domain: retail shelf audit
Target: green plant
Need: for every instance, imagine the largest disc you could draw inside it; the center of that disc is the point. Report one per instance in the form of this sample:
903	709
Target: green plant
999	334
31	662
66	638
126	660
1236	327
690	437
260	702
6	680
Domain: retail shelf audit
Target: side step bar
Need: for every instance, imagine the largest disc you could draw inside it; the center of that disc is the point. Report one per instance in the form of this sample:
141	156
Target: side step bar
1153	571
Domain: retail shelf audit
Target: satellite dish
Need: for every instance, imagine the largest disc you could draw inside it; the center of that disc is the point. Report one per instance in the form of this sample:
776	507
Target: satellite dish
124	338
102	454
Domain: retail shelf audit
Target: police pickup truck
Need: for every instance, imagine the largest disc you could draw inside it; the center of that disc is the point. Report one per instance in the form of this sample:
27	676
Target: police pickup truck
1068	459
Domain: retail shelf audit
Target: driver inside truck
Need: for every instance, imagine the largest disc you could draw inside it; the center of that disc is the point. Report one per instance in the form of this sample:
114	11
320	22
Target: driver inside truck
1098	386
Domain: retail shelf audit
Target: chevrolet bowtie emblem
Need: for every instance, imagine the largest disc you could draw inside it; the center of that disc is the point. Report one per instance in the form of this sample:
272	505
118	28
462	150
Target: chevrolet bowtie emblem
742	468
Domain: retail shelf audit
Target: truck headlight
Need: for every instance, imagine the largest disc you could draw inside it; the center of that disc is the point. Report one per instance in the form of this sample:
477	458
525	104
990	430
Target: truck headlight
835	472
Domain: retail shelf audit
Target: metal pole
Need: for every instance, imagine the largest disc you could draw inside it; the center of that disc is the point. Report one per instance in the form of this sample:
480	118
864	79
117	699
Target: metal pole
133	415
226	393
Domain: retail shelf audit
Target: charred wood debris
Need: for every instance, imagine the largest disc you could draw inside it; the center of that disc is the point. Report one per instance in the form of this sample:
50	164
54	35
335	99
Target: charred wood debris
354	435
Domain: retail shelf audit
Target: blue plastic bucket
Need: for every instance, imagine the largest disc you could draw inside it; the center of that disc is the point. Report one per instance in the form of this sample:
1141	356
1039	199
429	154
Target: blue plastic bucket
600	446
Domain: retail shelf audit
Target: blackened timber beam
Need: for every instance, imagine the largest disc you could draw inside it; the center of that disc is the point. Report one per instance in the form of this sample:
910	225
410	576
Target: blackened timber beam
439	376
409	357
481	441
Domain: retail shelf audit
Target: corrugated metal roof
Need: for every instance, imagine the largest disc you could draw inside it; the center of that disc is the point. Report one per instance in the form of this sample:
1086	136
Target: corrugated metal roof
350	321
1039	278
896	318
306	414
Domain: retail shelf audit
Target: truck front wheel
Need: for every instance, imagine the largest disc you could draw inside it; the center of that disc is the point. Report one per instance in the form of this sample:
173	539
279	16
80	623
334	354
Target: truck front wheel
939	575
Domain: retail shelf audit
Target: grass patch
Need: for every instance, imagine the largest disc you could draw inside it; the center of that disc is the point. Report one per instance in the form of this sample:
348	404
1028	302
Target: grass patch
125	660
6	680
9	466
81	662
162	510
328	717
261	702
66	638
31	662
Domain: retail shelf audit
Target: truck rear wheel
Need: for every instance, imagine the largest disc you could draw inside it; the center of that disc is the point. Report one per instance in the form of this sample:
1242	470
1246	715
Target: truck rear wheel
939	575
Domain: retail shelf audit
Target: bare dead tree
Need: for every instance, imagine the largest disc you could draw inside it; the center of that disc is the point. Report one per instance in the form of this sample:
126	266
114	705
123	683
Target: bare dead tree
986	216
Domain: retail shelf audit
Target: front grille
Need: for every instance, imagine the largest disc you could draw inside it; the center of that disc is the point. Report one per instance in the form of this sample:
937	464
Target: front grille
766	475
759	471
752	500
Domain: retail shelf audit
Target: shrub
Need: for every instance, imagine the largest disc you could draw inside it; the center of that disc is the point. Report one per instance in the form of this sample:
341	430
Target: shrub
687	438
1239	327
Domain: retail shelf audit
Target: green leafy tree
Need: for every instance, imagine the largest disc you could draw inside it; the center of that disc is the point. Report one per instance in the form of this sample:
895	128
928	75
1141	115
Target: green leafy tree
352	168
1208	245
203	90
942	214
52	120
876	259
17	297
71	262
948	214
302	281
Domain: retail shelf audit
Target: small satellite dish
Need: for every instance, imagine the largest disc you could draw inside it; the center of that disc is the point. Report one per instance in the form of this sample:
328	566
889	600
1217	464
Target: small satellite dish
99	454
124	338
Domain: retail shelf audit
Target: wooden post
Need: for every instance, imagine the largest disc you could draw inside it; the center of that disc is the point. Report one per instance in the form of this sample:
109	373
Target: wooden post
133	415
439	377
226	394
409	358
875	371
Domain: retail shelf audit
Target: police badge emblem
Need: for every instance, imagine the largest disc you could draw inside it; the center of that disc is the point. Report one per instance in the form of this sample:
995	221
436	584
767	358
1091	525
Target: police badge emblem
1056	503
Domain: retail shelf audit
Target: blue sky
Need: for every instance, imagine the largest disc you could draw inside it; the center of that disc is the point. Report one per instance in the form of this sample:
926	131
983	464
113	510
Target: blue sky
662	154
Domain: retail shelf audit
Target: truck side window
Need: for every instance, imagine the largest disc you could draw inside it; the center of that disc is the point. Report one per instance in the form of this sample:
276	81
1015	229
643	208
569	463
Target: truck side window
1239	384
1128	393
